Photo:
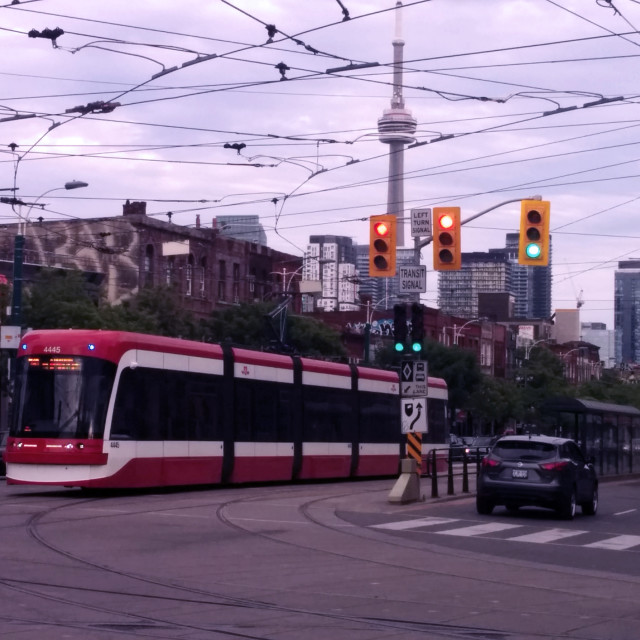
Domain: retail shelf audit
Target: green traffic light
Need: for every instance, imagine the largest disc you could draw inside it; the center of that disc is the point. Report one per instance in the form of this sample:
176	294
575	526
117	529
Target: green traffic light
533	250
416	346
398	346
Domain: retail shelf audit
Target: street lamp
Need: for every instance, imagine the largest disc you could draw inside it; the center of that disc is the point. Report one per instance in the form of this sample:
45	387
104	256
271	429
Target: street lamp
280	312
18	252
564	355
367	326
527	349
574	367
286	286
457	333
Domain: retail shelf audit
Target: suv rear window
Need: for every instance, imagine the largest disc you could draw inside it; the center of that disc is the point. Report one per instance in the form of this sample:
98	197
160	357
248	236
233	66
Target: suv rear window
524	450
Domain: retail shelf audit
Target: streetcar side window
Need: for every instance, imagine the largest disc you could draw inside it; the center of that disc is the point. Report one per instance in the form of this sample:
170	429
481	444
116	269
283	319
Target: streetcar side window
203	407
139	410
437	420
263	412
328	415
379	418
175	396
153	404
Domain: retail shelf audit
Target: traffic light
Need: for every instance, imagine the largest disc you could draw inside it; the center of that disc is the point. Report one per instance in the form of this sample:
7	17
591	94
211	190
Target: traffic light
399	327
447	254
533	248
382	246
417	327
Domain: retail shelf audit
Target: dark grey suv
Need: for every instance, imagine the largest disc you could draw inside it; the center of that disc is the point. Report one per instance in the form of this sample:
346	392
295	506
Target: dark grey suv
539	471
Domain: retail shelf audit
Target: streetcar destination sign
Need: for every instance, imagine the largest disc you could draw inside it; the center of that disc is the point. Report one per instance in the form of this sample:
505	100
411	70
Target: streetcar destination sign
413	279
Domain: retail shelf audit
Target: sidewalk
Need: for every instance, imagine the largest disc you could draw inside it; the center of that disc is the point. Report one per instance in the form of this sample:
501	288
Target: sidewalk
444	483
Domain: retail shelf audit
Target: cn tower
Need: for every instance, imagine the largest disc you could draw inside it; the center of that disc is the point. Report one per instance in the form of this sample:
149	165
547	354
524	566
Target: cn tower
397	128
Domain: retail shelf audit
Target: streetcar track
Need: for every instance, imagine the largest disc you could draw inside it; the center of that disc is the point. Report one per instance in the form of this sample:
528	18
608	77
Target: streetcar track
140	623
462	631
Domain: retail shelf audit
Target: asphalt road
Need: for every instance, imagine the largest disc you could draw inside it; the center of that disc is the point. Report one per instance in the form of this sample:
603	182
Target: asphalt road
317	561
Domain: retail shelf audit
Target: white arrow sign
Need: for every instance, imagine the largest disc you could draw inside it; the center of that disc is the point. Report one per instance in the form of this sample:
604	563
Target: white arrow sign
414	415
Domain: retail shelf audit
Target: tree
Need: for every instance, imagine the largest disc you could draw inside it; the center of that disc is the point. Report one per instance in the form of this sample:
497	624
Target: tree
315	339
457	366
154	310
61	299
495	402
541	377
248	325
610	389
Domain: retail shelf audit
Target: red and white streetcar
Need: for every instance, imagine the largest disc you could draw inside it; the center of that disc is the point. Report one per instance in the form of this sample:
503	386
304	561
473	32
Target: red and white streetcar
122	410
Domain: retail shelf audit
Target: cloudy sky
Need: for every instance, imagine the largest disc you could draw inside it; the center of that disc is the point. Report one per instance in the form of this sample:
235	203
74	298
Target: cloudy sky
226	107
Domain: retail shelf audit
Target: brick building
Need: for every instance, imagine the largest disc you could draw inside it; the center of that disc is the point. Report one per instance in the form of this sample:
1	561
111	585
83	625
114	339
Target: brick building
125	253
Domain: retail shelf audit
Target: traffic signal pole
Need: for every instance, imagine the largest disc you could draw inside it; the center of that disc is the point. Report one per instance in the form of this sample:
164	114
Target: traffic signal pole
427	239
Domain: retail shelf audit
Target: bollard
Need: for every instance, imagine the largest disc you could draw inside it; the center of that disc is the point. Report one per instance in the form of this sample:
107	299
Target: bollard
465	473
434	475
450	490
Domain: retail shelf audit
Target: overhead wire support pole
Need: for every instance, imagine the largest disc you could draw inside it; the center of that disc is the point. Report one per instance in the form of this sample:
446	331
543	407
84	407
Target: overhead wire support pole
428	239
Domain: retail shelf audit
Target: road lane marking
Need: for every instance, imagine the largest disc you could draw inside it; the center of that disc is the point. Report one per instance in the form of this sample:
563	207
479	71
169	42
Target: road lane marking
623	513
618	543
547	535
479	529
414	524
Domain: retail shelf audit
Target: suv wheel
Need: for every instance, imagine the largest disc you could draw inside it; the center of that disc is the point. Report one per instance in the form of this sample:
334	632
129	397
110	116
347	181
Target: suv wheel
484	506
567	506
590	508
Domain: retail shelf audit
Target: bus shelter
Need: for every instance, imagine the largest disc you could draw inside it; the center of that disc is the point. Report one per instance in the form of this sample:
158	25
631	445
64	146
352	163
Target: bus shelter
608	432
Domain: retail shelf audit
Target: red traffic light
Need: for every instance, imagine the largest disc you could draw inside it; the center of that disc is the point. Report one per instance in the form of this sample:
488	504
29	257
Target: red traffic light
445	221
382	246
446	239
381	229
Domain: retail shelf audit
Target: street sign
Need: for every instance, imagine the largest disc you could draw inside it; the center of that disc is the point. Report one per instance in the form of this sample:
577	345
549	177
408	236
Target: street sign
413	378
413	279
420	222
10	337
414	415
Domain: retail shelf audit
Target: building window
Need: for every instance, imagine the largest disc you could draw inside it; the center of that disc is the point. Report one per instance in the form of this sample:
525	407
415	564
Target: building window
189	283
147	267
203	271
236	282
171	267
222	278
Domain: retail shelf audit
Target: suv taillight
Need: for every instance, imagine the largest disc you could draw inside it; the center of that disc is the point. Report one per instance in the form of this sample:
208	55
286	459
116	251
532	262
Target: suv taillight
561	465
489	462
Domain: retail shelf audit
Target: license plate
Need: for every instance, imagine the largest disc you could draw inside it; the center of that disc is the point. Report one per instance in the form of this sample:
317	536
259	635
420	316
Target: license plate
519	473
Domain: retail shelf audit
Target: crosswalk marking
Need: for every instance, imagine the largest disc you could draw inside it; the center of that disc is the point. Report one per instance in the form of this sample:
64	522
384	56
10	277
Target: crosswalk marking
548	535
414	524
544	536
617	543
479	529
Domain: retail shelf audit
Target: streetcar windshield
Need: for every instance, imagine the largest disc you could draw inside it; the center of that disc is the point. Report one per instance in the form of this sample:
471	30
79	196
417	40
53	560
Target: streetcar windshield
61	396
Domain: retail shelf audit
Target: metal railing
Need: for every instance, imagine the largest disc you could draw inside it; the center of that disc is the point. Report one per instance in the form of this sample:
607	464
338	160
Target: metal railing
469	464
